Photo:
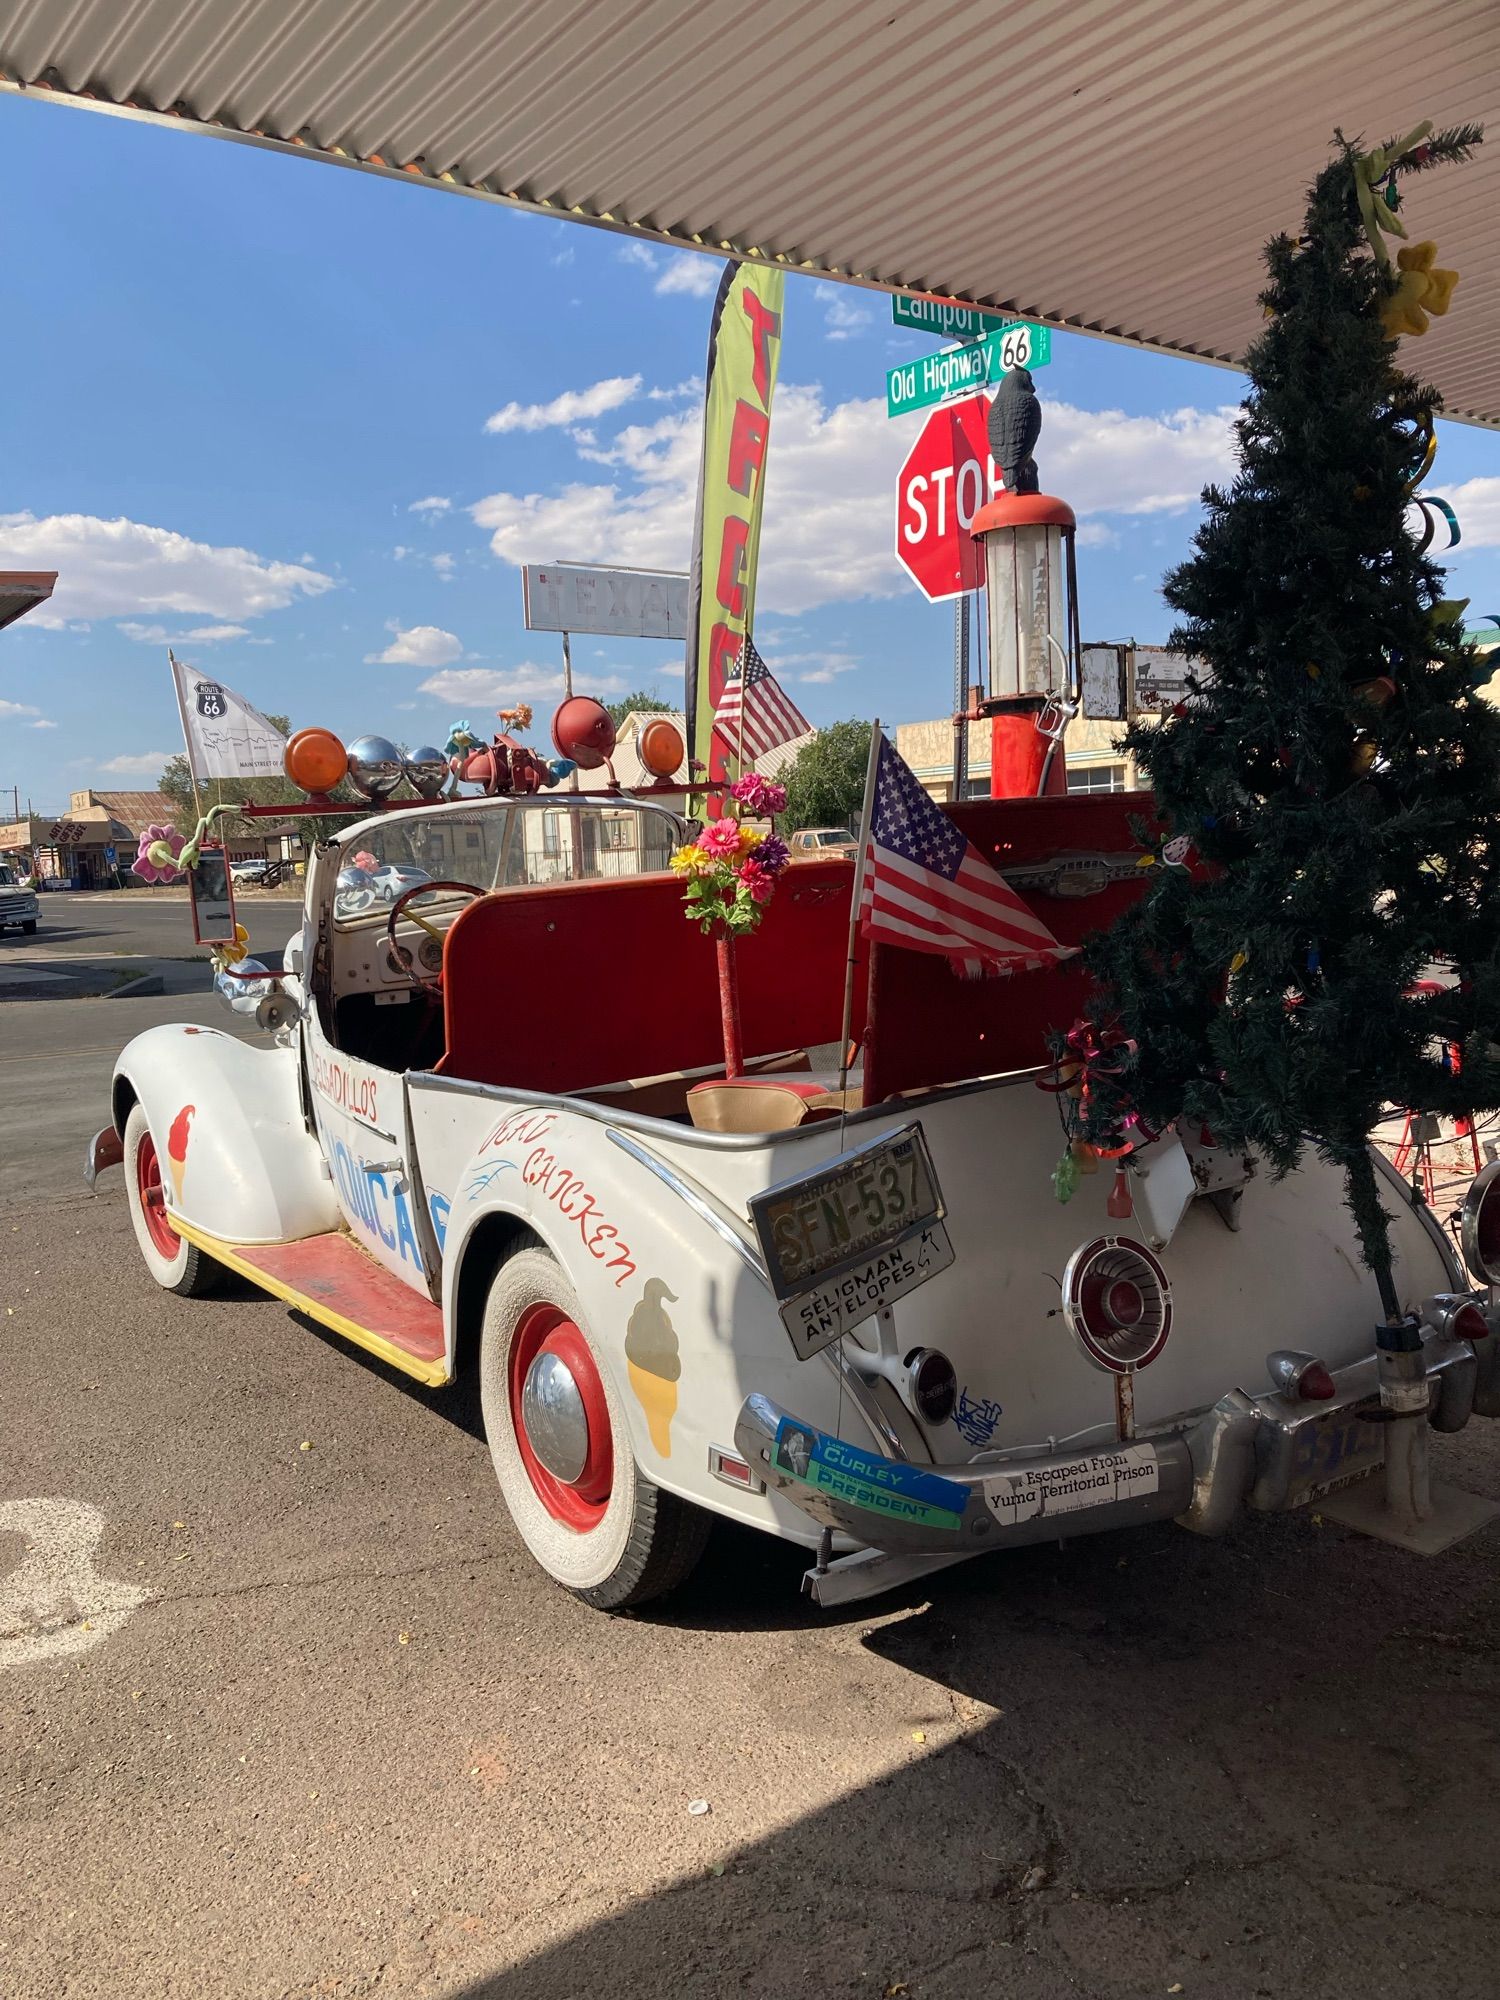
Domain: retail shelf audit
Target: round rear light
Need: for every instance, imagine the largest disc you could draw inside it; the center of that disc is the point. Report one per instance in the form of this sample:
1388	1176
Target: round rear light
934	1385
1469	1323
1118	1303
1479	1226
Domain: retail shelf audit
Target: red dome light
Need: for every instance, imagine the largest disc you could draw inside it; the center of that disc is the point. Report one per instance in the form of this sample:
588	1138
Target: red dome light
1469	1323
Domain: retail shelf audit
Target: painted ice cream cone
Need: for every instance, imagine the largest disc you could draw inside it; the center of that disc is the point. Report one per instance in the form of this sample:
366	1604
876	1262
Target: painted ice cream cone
658	1398
177	1142
654	1362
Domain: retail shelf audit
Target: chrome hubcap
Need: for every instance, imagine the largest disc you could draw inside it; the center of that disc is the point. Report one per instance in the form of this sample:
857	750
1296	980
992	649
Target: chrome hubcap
557	1426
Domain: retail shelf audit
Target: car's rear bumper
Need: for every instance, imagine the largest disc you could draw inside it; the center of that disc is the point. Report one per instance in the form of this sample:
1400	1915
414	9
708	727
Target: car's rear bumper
1265	1452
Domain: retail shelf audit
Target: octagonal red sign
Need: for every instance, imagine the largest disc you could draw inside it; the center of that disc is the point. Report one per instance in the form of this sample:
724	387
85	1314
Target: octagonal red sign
947	477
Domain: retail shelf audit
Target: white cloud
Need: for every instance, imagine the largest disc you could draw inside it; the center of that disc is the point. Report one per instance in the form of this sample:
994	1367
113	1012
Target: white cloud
843	316
444	566
17	708
497	686
201	635
122	568
43	724
1097	535
433	504
1477	505
150	764
571	407
418	646
637	252
690	272
692	386
815	669
831	476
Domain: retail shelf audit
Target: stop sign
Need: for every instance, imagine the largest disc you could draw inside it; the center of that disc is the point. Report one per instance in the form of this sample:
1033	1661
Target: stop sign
947	477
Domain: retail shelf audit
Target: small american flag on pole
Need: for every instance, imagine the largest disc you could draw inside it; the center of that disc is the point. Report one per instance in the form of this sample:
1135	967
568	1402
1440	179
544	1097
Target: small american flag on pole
754	715
928	888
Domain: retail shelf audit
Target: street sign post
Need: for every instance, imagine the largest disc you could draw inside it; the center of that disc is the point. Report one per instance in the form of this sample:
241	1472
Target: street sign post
947	477
944	318
950	372
618	603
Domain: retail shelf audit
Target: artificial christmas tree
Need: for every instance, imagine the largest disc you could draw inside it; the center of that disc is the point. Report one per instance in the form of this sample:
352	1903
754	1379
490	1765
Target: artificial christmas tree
1333	768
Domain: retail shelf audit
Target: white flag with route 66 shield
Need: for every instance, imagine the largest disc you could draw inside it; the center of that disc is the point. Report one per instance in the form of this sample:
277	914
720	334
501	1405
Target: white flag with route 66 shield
225	736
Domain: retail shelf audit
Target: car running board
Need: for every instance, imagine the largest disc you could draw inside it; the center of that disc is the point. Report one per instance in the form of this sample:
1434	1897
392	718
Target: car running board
334	1282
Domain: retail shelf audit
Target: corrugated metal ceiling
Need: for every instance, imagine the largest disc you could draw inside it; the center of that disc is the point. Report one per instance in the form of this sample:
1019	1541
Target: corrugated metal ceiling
1109	165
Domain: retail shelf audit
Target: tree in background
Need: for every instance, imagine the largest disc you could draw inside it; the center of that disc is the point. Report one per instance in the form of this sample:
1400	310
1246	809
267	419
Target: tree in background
1335	769
639	703
825	781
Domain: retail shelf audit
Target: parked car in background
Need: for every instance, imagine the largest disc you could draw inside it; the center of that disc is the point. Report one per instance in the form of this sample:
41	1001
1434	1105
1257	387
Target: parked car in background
826	842
248	874
18	906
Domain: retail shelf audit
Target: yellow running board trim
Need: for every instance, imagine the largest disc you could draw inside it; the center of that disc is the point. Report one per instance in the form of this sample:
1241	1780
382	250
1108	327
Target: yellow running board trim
433	1374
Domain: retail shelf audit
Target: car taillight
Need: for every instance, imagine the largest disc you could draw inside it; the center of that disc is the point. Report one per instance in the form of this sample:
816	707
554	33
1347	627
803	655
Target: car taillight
1456	1316
1303	1377
932	1385
1479	1226
1117	1303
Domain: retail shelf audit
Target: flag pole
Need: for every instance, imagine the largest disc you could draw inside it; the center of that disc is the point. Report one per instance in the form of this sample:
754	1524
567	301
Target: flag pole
858	896
187	741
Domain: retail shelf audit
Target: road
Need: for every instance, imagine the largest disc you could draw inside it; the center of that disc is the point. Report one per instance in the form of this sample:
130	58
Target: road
143	930
331	1733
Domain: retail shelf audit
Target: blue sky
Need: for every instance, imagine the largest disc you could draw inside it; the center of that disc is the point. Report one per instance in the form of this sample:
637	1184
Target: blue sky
236	377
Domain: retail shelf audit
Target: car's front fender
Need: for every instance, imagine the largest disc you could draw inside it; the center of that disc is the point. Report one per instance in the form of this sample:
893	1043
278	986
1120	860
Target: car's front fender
226	1118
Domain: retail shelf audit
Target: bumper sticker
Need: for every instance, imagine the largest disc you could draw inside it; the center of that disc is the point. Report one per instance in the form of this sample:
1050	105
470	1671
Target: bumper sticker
1093	1481
860	1479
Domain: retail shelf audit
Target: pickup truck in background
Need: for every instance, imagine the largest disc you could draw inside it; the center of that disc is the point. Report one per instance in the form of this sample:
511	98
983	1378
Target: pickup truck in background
18	906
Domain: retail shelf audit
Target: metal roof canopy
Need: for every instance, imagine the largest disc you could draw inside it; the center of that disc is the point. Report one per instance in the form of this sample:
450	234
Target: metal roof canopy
22	590
1111	166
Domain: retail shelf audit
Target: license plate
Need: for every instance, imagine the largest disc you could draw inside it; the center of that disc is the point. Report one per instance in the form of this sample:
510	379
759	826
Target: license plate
817	1318
836	1218
1334	1451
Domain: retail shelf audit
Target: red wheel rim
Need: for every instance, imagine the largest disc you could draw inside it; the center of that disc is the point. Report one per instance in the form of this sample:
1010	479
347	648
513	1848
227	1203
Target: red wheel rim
154	1198
580	1504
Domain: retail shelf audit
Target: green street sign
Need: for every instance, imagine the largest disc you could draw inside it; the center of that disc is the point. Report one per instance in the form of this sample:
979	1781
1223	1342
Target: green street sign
947	321
959	371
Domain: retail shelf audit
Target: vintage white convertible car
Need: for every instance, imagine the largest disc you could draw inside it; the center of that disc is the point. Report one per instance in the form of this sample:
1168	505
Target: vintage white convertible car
492	1132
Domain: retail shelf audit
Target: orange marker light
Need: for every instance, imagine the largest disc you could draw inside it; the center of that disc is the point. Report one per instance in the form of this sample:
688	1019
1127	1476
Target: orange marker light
315	760
661	748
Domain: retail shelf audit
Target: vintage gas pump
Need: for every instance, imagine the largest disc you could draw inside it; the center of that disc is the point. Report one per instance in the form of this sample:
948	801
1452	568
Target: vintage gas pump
1031	591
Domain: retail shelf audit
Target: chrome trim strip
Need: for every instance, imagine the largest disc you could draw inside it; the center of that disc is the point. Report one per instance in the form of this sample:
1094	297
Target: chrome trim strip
698	1200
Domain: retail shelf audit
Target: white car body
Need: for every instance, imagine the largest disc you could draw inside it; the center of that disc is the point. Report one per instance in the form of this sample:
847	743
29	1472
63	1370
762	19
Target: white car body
19	908
434	1175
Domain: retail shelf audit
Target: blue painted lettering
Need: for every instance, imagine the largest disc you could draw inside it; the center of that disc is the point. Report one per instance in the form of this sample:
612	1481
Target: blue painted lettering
404	1232
438	1206
376	1183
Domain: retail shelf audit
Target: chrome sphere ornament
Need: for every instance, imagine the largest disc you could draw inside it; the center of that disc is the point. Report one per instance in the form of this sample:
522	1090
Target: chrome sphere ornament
427	772
375	766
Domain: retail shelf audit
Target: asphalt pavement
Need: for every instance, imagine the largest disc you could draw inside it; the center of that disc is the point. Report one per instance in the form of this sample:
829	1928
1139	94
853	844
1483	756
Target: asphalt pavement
286	1711
89	938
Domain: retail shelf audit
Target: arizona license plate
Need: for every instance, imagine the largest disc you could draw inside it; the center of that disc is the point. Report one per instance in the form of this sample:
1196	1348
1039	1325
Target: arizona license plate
1334	1451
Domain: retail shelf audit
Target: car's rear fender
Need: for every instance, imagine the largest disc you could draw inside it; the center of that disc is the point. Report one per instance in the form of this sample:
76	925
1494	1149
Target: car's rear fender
226	1119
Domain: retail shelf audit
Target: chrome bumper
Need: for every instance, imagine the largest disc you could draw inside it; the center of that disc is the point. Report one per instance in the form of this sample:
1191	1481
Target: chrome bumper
1265	1452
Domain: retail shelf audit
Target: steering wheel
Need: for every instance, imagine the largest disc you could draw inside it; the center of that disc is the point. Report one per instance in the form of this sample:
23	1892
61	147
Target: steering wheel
399	957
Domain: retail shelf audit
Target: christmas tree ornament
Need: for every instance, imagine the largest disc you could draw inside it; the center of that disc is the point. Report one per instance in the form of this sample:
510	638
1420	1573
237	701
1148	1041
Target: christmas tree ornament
1119	1203
1362	756
1065	1177
1379	693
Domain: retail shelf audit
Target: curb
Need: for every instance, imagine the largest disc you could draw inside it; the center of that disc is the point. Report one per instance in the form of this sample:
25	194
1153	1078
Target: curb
134	989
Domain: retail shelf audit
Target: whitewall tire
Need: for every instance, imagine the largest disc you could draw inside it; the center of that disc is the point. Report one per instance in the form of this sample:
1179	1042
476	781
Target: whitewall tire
176	1264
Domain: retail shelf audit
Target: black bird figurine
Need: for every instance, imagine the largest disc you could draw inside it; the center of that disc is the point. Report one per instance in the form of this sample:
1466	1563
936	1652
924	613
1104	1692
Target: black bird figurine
1015	426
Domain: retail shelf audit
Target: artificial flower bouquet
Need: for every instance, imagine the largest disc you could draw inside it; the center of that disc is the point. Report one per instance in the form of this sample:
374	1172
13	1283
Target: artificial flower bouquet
730	870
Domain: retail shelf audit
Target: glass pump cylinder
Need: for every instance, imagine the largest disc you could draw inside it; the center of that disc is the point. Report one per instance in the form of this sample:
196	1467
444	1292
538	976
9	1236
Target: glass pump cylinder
1029	587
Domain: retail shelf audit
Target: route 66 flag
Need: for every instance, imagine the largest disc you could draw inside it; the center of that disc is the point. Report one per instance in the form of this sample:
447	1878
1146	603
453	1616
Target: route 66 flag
225	736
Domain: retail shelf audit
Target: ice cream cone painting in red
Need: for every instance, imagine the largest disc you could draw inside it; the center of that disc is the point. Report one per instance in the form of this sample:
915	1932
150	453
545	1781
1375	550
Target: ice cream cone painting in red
177	1142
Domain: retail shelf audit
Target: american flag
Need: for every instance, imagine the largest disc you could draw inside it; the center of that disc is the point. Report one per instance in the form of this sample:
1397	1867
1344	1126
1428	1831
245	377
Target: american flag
771	717
928	888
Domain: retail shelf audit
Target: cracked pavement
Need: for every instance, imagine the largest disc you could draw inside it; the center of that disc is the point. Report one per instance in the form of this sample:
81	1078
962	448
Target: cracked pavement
352	1743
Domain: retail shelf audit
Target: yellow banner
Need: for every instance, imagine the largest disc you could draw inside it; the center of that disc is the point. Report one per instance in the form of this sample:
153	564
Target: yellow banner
744	352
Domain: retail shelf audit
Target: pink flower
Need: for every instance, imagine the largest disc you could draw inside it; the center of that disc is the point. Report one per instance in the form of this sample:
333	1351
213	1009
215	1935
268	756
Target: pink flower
364	859
758	795
758	880
721	838
158	870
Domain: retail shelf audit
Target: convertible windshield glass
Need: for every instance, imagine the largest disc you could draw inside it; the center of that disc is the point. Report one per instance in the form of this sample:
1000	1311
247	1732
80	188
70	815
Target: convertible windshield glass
504	847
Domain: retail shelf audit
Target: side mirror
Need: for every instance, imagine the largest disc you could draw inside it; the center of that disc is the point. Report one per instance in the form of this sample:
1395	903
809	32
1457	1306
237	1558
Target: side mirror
212	896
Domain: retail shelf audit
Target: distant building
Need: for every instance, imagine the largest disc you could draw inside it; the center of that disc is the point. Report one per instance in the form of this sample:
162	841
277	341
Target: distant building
1094	763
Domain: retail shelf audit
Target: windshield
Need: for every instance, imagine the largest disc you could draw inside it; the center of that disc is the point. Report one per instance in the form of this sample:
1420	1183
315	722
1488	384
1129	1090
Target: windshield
506	847
7	880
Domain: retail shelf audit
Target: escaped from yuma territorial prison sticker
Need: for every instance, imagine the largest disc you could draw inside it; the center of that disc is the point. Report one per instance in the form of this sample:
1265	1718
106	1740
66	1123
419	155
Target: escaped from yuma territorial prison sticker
1093	1479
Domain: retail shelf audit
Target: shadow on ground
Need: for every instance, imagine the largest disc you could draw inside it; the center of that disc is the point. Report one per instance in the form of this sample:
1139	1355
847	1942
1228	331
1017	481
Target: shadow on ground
1275	1773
